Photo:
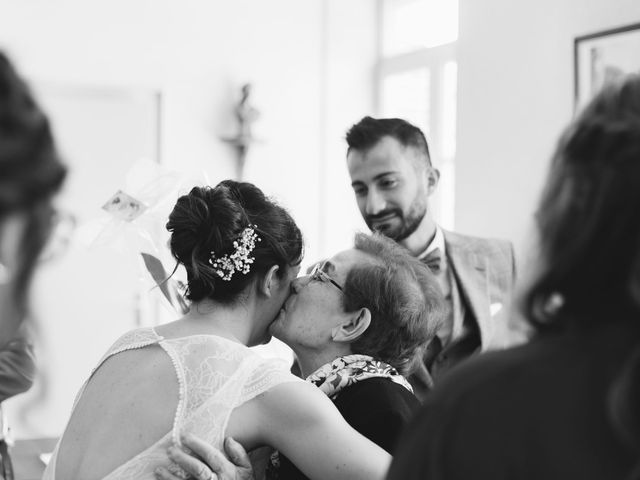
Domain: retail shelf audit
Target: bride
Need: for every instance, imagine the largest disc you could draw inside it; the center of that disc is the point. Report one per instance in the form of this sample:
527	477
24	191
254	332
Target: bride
197	375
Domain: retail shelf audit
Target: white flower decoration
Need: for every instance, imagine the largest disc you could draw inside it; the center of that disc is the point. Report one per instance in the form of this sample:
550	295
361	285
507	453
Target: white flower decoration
240	260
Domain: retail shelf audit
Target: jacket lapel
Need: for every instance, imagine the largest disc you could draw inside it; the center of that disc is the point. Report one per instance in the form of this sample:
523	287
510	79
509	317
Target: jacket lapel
470	271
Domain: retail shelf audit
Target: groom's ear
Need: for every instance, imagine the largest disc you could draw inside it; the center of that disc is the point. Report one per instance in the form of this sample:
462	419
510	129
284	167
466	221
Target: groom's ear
269	282
353	326
432	176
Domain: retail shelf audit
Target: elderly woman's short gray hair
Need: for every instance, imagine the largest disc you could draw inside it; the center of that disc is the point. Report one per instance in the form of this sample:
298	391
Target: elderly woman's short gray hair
404	299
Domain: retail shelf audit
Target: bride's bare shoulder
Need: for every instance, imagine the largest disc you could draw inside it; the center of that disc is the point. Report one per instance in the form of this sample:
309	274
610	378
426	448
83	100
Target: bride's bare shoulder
128	404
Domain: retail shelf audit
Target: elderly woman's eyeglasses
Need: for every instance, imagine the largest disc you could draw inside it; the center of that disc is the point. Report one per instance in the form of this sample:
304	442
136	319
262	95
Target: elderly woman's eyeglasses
319	274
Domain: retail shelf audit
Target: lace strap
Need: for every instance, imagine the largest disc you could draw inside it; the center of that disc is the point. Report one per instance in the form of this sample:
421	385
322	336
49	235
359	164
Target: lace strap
182	391
264	375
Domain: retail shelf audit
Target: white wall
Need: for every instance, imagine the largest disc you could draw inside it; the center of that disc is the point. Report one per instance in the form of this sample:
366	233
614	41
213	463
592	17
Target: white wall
351	51
515	97
310	63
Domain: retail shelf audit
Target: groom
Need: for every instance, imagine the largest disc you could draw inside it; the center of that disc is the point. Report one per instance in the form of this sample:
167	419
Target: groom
393	179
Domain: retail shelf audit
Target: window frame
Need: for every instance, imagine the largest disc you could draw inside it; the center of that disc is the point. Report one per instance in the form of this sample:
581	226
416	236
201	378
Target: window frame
434	59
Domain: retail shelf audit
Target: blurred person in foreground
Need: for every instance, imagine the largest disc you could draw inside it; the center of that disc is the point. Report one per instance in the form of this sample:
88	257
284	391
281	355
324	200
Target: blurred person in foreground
30	174
356	323
566	406
393	179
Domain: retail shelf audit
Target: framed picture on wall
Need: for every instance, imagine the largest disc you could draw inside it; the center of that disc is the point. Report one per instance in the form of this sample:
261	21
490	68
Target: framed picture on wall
604	57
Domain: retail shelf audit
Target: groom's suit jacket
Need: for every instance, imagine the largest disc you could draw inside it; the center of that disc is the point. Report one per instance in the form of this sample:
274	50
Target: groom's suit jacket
484	271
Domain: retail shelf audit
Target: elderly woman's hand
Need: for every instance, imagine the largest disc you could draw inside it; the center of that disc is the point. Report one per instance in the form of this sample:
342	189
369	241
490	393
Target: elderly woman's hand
208	463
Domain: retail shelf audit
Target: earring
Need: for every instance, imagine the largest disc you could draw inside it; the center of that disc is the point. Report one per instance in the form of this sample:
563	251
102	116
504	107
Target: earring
554	303
5	274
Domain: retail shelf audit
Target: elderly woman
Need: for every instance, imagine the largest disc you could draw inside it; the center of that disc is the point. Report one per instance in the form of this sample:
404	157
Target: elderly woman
356	324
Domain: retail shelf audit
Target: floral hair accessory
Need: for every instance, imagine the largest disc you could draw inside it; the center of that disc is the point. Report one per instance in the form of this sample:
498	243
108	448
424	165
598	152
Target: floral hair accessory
240	260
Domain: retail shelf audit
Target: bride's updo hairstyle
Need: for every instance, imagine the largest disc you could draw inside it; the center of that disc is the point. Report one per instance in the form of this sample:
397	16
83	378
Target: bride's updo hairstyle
211	219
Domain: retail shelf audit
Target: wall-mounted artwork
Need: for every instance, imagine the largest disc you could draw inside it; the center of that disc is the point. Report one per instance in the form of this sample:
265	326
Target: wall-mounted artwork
604	57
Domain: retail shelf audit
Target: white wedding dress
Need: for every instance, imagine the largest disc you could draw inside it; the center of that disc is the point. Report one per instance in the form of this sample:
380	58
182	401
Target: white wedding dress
215	376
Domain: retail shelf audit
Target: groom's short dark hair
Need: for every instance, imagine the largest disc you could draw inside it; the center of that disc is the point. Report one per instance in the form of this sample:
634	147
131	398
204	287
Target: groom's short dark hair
369	131
404	299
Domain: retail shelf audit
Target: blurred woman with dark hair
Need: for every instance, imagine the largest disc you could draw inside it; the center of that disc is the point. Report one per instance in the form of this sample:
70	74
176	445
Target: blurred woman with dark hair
30	174
567	405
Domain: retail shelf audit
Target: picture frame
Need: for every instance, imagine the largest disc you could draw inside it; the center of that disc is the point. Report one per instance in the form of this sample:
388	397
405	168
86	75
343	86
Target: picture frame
604	57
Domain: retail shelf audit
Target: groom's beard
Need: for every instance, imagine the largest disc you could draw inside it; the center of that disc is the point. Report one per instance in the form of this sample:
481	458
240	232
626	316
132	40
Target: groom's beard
409	223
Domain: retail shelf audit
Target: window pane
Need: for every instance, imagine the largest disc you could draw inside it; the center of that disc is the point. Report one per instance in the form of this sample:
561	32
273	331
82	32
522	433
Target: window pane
407	95
413	24
449	97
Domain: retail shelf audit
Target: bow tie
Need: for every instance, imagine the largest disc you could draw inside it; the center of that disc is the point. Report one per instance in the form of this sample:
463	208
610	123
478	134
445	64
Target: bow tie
433	260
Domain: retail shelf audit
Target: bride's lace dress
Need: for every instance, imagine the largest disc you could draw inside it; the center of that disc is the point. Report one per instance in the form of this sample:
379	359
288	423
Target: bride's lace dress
215	376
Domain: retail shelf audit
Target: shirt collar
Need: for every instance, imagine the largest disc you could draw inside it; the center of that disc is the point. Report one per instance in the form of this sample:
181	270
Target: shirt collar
437	242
